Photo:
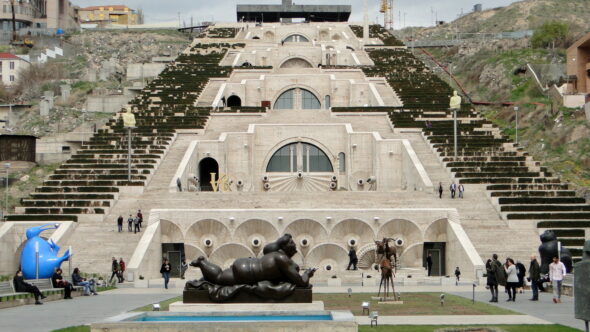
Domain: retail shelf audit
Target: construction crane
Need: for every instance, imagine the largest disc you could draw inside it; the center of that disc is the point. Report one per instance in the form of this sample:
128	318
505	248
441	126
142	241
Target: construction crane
387	10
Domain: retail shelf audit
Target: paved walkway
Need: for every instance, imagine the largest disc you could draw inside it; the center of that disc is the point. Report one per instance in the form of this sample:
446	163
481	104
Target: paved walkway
562	313
79	311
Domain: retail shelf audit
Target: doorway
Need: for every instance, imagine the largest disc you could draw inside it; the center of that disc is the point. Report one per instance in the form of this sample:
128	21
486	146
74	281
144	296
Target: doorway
208	166
175	254
234	101
437	252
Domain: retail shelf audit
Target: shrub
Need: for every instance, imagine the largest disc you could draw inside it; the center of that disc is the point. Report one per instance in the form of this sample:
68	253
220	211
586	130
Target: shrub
551	34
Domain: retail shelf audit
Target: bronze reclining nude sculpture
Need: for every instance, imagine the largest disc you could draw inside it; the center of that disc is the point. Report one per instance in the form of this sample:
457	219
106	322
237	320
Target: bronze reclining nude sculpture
272	277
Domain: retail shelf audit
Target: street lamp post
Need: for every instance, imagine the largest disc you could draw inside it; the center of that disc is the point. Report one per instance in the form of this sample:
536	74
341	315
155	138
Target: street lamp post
516	113
6	166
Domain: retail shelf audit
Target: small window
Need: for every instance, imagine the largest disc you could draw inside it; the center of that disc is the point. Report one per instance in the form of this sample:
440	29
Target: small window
66	149
11	65
342	162
11	78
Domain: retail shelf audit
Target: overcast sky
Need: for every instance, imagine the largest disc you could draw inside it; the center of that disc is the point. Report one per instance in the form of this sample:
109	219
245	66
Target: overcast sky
416	12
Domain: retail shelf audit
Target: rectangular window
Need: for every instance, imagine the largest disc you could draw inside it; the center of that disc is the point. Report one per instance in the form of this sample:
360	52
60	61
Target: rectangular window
11	78
0	66
11	65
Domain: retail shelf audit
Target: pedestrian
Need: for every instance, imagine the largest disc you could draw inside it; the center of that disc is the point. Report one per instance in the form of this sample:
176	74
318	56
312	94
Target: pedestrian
511	279
492	283
140	216
183	268
534	277
130	223
557	272
440	190
114	269
136	224
120	223
499	274
457	276
461	190
453	189
521	273
122	268
165	271
352	259
429	264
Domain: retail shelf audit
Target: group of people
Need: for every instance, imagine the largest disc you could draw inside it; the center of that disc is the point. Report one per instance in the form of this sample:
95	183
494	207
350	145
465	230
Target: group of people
453	188
57	281
511	275
117	270
133	223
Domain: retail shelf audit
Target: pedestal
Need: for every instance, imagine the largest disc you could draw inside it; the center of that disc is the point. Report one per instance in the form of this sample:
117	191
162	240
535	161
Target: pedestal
299	295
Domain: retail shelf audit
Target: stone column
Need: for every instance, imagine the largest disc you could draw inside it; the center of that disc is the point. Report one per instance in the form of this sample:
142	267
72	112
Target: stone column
44	107
48	96
66	90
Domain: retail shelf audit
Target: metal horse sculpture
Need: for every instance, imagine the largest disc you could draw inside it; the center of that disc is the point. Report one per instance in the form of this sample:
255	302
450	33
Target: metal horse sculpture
386	266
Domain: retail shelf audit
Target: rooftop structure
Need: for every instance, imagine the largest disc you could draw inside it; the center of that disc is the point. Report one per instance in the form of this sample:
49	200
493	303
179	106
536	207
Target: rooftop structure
288	11
107	14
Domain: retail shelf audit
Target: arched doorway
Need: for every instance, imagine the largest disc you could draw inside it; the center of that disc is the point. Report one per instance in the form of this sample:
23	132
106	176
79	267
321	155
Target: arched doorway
206	167
296	63
234	101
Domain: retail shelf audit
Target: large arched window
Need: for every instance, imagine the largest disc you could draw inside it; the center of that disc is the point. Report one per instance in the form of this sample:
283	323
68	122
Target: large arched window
299	157
296	38
297	98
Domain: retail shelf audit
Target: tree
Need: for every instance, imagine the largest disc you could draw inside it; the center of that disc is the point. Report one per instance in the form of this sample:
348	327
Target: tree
551	34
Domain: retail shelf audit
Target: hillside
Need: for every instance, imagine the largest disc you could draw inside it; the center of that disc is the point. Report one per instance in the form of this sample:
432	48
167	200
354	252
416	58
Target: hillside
522	15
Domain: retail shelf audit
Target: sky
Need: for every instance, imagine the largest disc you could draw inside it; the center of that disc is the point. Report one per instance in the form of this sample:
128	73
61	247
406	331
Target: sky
407	12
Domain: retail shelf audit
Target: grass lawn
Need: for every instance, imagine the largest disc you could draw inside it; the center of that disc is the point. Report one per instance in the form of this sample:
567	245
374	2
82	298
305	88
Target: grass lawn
164	305
507	328
81	328
415	304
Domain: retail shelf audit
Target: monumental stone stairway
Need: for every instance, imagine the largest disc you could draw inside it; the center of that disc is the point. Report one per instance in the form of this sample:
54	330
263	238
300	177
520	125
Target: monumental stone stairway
523	190
87	185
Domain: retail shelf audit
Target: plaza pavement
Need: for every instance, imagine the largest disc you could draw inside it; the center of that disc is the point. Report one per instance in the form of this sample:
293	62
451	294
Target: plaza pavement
85	310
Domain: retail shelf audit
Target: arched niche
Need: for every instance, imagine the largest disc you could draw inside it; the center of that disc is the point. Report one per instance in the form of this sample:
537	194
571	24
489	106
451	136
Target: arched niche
296	62
234	101
352	229
226	254
208	234
170	232
307	233
407	230
436	231
255	234
269	36
327	254
207	166
411	257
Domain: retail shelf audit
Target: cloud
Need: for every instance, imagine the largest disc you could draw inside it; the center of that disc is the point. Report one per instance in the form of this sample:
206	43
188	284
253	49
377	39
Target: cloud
413	13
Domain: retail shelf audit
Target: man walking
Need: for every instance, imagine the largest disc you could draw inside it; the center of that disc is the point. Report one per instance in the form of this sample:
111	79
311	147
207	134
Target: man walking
453	189
440	190
556	274
130	223
534	277
140	216
115	269
120	223
461	190
429	264
352	259
498	271
136	223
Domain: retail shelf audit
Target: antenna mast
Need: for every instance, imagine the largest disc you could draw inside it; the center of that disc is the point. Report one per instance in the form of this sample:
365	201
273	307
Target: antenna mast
387	10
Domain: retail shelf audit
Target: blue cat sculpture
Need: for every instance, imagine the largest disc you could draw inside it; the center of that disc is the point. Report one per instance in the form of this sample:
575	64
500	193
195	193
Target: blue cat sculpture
48	250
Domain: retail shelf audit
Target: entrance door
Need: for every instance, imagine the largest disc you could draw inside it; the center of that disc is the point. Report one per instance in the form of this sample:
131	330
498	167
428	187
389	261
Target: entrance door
206	167
234	101
437	252
174	258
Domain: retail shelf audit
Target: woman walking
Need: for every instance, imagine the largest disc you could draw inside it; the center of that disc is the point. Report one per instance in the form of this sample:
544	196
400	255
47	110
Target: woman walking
512	279
491	280
165	271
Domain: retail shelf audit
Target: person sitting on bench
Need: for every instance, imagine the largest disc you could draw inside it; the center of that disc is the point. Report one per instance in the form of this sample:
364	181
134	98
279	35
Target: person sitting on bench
58	282
21	286
89	285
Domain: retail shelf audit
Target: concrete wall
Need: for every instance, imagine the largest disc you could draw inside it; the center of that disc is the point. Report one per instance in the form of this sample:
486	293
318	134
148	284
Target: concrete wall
138	71
232	233
107	104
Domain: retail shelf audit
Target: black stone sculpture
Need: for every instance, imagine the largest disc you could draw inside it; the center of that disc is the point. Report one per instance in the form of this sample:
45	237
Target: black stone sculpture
582	286
273	278
549	249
